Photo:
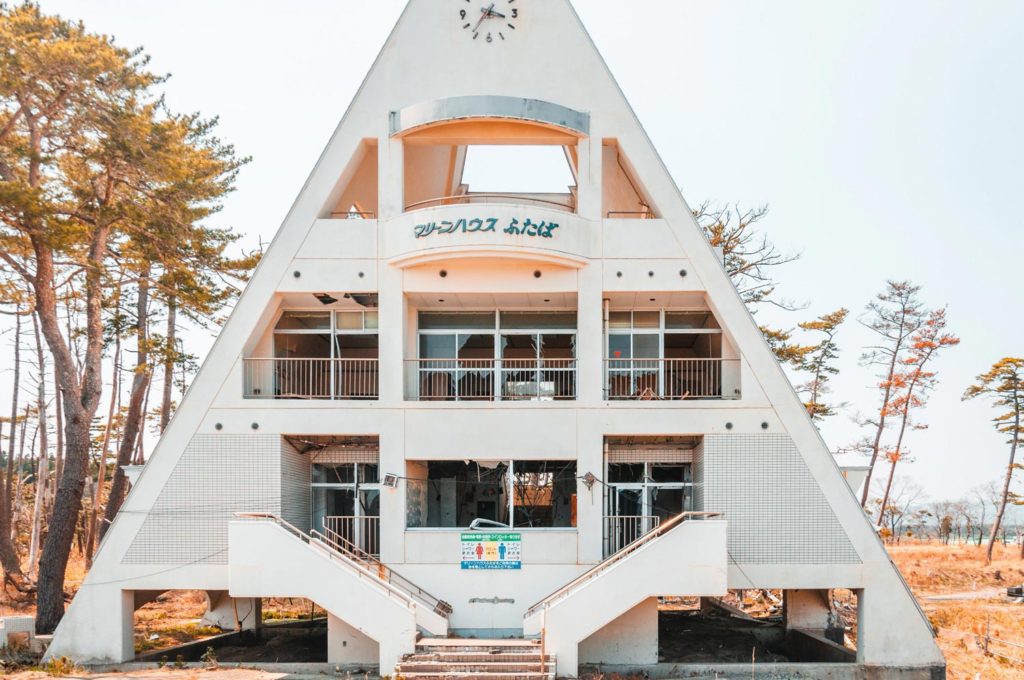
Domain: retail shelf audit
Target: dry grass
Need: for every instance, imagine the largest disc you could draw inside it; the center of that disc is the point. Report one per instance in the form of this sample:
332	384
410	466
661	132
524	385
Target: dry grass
934	569
931	569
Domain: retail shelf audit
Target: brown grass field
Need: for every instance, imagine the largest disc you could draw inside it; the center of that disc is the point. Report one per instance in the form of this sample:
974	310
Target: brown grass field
931	569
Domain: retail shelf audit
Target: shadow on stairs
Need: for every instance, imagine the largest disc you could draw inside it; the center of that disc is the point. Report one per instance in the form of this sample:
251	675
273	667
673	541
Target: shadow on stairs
441	658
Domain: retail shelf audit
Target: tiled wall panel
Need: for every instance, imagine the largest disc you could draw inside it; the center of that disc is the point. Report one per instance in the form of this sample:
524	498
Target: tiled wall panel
295	489
776	511
217	476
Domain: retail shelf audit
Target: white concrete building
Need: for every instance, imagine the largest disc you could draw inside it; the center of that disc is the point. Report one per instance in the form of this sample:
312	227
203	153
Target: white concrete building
451	412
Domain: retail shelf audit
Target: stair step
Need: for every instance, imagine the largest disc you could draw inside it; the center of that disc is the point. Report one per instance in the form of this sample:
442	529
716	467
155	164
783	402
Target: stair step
407	667
473	657
477	675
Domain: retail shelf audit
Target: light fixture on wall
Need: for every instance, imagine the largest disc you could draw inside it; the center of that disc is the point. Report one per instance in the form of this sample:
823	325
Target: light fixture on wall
589	480
390	481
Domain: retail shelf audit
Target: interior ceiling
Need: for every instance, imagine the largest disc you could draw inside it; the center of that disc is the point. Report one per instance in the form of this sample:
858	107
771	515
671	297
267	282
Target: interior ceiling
654	442
307	443
344	301
487	301
667	300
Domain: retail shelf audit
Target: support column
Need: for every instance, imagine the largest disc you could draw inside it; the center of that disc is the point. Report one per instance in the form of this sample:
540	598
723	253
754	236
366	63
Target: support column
231	613
97	628
350	646
391	178
631	639
806	609
588	181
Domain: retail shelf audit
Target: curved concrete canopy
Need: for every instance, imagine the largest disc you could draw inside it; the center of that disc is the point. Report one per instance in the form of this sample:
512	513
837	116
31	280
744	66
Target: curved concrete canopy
488	106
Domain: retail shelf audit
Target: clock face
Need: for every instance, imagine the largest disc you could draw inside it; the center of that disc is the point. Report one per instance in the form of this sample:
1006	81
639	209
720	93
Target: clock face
488	21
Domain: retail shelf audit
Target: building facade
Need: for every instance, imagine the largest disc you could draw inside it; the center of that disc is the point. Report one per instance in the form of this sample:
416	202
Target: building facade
441	411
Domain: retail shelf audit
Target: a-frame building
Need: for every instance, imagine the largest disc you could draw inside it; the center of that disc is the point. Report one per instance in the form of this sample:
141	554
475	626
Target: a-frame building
548	411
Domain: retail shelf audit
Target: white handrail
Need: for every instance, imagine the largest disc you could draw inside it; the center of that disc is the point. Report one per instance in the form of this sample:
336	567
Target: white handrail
613	559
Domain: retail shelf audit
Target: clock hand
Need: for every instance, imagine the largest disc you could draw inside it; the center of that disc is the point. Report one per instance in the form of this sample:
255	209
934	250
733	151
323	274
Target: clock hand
483	15
496	14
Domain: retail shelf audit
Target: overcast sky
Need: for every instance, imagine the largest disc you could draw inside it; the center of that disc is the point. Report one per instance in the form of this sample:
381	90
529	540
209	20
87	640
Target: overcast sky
885	137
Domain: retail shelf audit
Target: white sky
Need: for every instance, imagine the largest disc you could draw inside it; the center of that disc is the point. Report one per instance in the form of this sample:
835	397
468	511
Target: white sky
885	136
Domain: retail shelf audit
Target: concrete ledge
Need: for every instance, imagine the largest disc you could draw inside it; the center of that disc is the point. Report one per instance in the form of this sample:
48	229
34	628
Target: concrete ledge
292	669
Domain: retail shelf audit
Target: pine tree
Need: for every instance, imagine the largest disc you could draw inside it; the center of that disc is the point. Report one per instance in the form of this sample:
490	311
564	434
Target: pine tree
819	362
1004	385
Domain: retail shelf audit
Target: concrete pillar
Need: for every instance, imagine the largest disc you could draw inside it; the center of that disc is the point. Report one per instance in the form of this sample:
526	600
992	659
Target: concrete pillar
891	628
590	502
349	646
391	187
807	609
590	346
589	185
97	628
392	501
631	639
230	613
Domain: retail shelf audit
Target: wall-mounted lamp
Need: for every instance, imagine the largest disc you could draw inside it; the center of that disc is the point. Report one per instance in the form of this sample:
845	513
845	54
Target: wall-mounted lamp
589	480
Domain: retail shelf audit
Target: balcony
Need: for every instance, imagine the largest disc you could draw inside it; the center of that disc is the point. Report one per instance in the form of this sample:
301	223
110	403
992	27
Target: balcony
671	379
321	379
492	379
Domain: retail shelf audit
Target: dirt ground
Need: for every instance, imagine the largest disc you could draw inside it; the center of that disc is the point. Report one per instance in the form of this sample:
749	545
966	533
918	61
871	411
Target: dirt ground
962	597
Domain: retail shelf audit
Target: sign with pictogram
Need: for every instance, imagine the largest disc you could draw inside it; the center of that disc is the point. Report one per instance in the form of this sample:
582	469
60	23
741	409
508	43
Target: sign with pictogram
492	551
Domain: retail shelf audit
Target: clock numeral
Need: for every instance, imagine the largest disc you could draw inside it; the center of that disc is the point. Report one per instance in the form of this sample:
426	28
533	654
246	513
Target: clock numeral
515	14
490	38
462	14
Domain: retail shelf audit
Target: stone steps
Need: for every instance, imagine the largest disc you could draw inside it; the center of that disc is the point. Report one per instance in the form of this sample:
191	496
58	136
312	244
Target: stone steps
451	658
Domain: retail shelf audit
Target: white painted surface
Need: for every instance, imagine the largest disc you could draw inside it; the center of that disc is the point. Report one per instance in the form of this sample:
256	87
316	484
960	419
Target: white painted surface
348	645
689	559
631	639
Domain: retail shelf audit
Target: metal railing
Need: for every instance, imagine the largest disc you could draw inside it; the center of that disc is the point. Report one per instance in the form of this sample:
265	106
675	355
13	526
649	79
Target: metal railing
630	214
621	530
360	567
346	379
353	215
493	379
345	547
468	199
614	559
669	378
360	561
363	532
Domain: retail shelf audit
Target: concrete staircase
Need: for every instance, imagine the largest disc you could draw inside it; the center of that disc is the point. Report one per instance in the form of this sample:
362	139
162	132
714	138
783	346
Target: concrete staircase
446	658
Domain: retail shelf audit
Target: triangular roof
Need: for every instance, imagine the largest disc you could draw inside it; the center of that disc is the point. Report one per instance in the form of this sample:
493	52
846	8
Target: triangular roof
550	58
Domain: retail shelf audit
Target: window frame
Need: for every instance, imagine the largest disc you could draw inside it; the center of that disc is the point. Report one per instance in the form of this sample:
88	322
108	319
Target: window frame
509	492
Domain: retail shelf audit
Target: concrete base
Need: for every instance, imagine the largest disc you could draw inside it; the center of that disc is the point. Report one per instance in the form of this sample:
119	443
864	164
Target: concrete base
630	639
232	613
347	645
789	671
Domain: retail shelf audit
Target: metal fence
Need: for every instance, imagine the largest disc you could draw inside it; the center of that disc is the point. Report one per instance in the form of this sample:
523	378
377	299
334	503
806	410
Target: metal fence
668	378
311	378
493	379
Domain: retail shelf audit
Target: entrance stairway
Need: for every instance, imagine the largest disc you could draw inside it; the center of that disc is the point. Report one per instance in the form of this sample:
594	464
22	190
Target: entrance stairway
442	659
268	557
684	556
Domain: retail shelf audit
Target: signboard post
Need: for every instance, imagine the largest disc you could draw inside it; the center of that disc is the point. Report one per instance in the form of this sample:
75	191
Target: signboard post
492	551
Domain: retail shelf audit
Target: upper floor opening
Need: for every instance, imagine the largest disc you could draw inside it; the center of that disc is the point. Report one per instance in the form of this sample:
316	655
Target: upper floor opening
491	162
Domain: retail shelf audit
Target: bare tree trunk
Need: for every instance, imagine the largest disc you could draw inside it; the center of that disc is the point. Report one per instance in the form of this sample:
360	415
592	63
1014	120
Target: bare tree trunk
43	464
170	352
8	553
58	453
136	415
1014	436
101	474
82	392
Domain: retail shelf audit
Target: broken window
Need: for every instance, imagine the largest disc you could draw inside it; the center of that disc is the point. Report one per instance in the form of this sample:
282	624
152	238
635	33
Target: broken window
520	494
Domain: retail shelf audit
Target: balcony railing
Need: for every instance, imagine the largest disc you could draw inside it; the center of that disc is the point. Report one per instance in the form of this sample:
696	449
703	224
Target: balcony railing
621	530
344	379
492	380
362	532
672	378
